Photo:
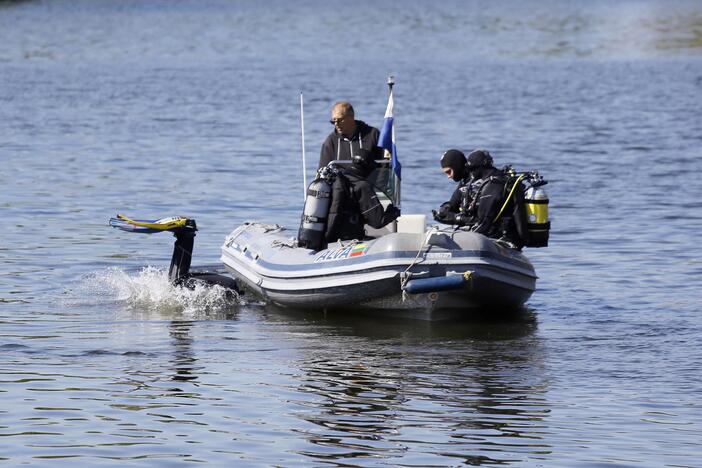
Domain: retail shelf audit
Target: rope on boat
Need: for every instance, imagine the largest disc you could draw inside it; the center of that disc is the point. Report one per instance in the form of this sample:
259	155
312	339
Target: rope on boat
341	244
270	227
405	275
290	243
266	227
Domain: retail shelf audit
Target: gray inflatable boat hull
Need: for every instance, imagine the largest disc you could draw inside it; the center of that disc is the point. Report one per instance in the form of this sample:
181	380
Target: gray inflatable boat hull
378	274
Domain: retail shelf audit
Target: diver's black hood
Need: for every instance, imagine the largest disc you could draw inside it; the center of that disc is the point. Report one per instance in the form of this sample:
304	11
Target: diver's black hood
456	160
479	164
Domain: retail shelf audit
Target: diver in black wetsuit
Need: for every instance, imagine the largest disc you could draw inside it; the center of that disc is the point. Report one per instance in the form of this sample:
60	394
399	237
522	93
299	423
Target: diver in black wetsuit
480	197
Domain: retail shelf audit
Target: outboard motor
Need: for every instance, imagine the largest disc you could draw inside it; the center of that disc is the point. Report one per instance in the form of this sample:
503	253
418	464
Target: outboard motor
536	203
314	216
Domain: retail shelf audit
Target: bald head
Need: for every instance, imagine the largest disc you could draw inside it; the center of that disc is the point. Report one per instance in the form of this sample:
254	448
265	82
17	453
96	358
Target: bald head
343	108
342	117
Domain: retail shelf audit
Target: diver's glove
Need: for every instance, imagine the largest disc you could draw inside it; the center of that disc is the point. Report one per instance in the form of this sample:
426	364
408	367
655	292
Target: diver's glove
444	213
445	217
392	212
449	217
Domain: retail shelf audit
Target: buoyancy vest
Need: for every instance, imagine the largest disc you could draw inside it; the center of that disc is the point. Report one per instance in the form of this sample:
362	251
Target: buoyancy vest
525	206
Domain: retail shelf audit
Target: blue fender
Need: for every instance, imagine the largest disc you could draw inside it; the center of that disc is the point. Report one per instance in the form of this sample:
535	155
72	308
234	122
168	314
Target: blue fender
437	283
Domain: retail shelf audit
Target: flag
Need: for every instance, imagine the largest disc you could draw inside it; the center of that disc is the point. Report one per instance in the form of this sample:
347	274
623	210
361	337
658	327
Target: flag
387	142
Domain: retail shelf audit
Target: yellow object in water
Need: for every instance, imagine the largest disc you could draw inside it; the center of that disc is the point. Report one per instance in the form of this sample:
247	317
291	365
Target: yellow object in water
163	224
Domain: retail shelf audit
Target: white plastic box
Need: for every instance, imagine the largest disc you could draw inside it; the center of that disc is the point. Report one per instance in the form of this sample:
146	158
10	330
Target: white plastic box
412	224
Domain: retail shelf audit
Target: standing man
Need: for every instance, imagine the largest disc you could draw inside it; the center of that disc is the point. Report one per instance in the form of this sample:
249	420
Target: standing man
348	136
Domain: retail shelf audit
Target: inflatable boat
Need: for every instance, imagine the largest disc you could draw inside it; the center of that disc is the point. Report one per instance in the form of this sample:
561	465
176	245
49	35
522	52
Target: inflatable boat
429	273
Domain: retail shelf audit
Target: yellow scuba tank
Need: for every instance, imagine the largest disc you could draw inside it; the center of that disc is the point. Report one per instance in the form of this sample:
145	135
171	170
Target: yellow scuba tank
538	223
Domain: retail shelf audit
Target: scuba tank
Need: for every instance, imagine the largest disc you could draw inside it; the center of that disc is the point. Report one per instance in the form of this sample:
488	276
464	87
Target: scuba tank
531	200
314	216
536	204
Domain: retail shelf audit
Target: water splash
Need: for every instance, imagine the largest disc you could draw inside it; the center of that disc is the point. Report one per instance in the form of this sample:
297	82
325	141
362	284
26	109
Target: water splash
149	290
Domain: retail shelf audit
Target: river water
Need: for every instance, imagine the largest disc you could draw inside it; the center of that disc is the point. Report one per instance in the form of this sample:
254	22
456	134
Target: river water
160	108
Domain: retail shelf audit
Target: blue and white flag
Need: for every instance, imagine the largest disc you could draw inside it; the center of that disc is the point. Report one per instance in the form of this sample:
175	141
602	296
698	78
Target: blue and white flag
387	142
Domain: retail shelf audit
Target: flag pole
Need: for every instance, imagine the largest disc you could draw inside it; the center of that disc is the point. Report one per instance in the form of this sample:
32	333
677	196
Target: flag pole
396	188
302	131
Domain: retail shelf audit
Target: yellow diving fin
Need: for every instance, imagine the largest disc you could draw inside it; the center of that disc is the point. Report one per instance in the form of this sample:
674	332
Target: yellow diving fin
163	224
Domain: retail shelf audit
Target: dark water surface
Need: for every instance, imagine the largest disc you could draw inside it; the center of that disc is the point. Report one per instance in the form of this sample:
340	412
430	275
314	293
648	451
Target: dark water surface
163	108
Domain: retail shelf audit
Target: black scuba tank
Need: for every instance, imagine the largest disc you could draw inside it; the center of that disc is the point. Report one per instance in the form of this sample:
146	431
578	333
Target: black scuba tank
314	216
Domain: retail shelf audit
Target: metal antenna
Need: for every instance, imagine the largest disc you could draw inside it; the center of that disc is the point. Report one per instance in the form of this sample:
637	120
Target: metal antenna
304	165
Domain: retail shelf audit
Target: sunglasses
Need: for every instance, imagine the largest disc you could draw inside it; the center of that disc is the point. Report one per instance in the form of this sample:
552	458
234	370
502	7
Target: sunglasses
337	121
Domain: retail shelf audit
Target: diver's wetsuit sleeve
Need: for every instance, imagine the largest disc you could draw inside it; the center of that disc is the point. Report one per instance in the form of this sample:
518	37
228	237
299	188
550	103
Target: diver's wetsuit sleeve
488	204
449	209
454	203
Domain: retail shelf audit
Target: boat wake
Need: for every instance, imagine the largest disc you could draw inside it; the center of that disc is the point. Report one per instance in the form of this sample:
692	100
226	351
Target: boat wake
149	290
